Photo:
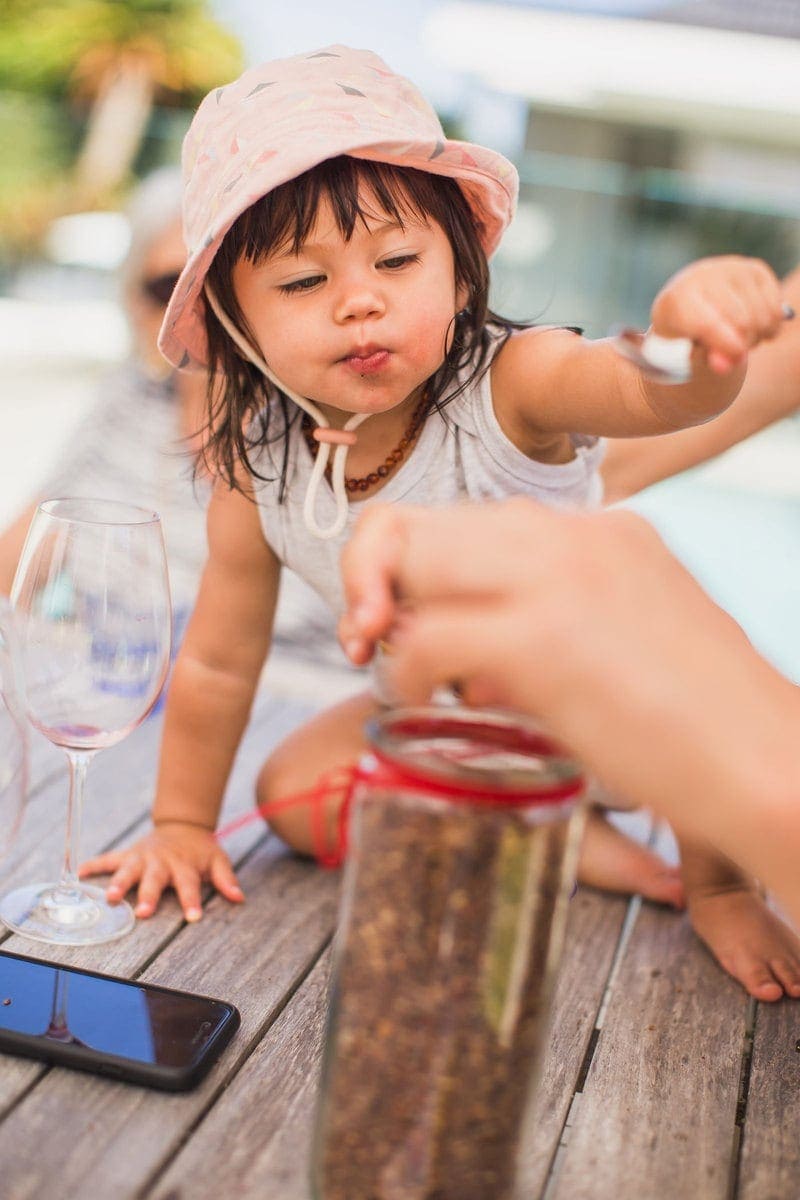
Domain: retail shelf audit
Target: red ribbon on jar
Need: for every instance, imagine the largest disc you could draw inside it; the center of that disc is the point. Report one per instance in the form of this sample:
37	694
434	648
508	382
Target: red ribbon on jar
455	754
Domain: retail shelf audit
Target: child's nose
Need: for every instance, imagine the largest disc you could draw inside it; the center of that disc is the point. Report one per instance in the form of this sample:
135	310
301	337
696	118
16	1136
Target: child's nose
359	299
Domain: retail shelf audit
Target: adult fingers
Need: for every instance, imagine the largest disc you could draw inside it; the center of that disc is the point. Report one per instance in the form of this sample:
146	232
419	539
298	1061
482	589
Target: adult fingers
459	643
420	553
370	564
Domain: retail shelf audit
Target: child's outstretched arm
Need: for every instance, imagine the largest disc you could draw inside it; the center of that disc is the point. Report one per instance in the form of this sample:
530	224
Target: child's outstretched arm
548	382
214	681
771	391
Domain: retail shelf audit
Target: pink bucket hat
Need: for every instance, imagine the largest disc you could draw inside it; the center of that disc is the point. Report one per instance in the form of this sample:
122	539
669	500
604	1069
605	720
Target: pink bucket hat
281	119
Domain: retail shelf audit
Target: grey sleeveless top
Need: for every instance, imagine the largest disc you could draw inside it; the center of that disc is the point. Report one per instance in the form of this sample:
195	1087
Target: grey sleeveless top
461	453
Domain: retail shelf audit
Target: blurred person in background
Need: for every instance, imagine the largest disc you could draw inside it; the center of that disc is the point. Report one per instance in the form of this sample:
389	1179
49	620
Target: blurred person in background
136	441
140	440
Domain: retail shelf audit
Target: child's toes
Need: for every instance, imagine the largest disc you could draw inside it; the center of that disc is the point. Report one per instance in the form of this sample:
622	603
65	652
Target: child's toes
787	972
755	977
761	984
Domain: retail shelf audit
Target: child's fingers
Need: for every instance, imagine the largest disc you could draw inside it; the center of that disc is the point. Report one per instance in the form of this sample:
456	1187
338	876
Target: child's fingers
102	864
186	882
720	364
123	879
716	331
224	879
154	878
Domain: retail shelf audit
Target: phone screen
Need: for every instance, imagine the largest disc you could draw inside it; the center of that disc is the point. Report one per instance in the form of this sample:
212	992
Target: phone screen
104	1016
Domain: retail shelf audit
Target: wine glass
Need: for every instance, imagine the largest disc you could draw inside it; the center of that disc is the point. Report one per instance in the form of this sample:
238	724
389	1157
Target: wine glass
92	608
13	735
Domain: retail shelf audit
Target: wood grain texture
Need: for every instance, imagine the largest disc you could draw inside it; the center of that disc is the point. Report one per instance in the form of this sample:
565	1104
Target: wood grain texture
655	1119
657	1116
593	930
770	1160
101	1138
120	794
265	1118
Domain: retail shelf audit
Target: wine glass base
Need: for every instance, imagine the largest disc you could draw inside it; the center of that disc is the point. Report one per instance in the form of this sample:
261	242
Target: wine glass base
37	912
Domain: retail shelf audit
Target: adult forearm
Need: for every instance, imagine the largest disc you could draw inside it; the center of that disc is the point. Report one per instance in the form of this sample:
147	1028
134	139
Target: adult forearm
714	751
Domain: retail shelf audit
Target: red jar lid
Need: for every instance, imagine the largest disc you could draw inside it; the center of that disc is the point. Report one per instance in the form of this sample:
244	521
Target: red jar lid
473	755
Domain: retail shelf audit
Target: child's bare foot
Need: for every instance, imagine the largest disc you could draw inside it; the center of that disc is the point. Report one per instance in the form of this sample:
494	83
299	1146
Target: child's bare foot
612	862
748	940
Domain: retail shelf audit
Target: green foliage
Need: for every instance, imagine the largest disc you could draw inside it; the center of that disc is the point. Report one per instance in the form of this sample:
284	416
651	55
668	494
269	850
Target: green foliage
48	45
56	59
37	142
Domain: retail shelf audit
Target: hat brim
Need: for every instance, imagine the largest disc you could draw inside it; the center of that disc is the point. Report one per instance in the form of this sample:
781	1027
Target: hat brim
488	180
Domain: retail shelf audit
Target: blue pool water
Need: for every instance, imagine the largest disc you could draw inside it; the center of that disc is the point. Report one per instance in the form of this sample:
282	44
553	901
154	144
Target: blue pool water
744	548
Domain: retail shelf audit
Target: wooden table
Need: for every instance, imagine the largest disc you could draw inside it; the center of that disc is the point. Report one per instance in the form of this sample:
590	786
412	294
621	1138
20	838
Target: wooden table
661	1081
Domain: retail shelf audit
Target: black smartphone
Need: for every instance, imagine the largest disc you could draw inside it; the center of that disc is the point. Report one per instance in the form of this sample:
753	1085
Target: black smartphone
136	1032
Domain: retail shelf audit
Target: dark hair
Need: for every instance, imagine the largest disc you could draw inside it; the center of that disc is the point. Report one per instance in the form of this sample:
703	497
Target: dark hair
286	216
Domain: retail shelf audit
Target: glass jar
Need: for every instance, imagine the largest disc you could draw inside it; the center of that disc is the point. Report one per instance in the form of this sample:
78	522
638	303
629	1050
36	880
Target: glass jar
463	838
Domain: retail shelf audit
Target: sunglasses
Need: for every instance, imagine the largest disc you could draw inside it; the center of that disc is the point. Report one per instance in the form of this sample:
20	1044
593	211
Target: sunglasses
159	288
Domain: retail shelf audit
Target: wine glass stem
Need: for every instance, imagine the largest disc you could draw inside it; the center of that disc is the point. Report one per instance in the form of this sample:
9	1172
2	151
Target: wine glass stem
68	891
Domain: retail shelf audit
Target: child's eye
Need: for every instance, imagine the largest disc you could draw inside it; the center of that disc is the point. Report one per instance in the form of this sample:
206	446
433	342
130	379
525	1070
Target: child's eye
301	285
399	260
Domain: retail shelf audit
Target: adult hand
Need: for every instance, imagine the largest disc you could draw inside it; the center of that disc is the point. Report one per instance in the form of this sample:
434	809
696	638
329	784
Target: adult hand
590	623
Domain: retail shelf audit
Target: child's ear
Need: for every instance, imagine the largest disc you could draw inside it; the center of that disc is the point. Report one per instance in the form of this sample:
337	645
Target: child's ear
462	298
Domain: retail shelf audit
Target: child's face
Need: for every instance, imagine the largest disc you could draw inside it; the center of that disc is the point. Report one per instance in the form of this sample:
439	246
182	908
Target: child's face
354	325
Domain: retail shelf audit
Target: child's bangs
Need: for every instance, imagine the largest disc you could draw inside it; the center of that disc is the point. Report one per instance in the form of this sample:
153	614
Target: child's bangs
357	191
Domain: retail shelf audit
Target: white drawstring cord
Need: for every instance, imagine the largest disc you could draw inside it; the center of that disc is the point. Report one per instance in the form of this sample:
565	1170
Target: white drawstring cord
337	437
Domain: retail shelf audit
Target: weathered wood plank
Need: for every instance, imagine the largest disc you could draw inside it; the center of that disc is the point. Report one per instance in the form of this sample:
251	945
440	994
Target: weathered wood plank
264	1119
134	761
770	1163
256	1141
255	955
593	930
657	1115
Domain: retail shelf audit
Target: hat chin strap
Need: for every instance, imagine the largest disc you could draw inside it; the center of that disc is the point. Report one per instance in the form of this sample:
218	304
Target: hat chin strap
342	439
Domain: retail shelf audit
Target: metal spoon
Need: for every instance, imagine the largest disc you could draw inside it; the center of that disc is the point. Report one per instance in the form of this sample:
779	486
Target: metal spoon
666	360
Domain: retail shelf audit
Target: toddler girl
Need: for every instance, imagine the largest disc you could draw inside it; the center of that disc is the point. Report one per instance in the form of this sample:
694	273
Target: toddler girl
336	292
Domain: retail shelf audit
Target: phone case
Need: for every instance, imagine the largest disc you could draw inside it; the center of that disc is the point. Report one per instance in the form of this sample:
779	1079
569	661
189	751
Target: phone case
84	1058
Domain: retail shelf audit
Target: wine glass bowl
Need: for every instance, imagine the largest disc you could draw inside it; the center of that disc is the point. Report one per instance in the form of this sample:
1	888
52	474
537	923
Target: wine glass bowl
91	599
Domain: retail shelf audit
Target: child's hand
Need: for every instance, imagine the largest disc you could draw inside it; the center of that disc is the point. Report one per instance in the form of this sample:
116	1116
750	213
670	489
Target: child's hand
724	305
175	854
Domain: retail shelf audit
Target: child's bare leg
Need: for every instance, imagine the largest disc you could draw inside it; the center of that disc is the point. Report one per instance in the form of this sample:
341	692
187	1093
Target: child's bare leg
334	738
613	862
731	916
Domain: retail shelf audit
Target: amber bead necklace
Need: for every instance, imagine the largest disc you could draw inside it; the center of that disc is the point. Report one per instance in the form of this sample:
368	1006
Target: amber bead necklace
391	461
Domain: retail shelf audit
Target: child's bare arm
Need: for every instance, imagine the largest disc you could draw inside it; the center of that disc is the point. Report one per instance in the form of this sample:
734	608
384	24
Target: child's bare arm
730	914
771	391
212	689
550	382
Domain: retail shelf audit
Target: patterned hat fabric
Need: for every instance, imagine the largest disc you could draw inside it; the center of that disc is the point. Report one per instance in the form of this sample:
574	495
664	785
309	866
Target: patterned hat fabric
282	118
